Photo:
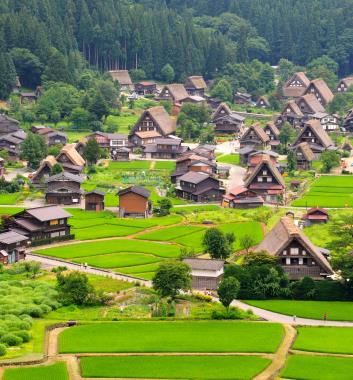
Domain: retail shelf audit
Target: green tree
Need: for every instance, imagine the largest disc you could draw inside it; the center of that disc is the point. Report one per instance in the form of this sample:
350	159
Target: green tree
228	290
259	258
137	75
246	242
171	277
164	206
28	67
330	159
286	135
217	244
56	69
33	150
80	118
168	73
98	106
91	151
222	90
291	161
56	169
74	288
7	75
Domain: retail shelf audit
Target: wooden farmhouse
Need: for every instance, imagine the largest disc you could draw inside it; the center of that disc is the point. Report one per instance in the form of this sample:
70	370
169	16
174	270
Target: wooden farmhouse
8	125
258	156
153	123
94	200
28	97
262	102
70	159
297	255
348	121
199	187
304	156
291	114
134	202
266	180
176	93
207	151
316	215
12	247
119	154
43	172
347	146
309	104
328	122
296	85
315	136
273	133
242	98
195	85
145	88
206	274
12	144
320	89
123	78
42	223
344	84
63	188
255	137
164	148
241	197
226	121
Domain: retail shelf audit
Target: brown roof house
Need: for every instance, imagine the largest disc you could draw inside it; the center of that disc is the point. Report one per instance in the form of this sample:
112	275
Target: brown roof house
315	136
195	85
134	202
70	159
175	92
50	135
154	123
304	156
12	247
42	225
12	143
316	215
145	88
199	187
123	77
206	274
266	181
309	104
273	133
297	255
241	197
262	102
8	125
348	121
291	114
94	200
43	172
320	89
296	85
226	121
164	148
64	188
255	137
344	84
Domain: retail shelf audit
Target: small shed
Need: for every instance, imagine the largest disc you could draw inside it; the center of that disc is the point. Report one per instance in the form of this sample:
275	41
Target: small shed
316	215
94	200
134	202
120	153
206	274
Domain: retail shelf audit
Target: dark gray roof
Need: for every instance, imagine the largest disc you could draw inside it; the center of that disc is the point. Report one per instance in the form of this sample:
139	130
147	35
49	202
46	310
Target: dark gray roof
135	189
194	177
49	212
205	264
11	237
98	192
65	176
268	152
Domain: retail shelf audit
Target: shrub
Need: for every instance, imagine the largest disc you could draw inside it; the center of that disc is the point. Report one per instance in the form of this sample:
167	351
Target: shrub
11	339
2	350
24	335
227	314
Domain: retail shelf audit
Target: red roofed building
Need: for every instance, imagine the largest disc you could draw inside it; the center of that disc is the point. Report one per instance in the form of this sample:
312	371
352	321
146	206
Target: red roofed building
241	197
316	215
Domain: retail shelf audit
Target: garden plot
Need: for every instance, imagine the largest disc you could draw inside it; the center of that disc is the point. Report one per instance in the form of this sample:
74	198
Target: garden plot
306	367
329	191
172	337
171	233
57	371
174	367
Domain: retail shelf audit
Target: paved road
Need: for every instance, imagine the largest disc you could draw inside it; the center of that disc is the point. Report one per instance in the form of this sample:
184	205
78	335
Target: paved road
47	262
236	177
280	318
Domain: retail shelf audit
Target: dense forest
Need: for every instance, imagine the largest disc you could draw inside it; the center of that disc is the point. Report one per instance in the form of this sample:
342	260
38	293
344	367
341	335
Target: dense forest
194	36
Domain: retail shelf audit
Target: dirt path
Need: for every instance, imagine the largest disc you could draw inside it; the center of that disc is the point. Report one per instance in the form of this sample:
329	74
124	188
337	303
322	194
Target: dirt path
312	353
52	341
280	356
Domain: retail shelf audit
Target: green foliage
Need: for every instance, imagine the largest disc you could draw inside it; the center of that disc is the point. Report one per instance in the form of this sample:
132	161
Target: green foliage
287	134
56	69
80	118
222	90
217	244
167	73
259	258
304	289
228	290
192	121
164	206
7	74
2	349
74	288
330	159
33	150
137	75
91	151
171	277
28	67
325	68
291	161
341	103
56	169
246	242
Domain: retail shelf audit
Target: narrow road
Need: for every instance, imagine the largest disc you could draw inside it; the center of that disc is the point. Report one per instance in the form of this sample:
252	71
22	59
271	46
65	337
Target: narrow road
48	262
236	176
286	319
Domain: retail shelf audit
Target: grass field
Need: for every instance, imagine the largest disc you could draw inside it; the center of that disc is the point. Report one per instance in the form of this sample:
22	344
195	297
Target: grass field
130	165
329	191
337	340
171	233
196	209
10	210
305	367
56	371
233	159
174	367
172	337
335	310
103	231
9	199
123	122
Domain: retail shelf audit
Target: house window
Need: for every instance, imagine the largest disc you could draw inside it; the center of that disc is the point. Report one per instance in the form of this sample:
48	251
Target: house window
62	221
259	179
264	172
284	253
300	261
269	179
287	261
313	140
294	251
303	252
54	222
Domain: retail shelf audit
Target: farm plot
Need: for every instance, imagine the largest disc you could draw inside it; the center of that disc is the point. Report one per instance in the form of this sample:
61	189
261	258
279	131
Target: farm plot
335	310
233	159
171	233
56	371
329	191
336	340
174	367
103	231
172	337
305	367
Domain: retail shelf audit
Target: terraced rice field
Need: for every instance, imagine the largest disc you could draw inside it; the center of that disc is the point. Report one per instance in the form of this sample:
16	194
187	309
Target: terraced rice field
174	367
171	336
56	371
329	191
